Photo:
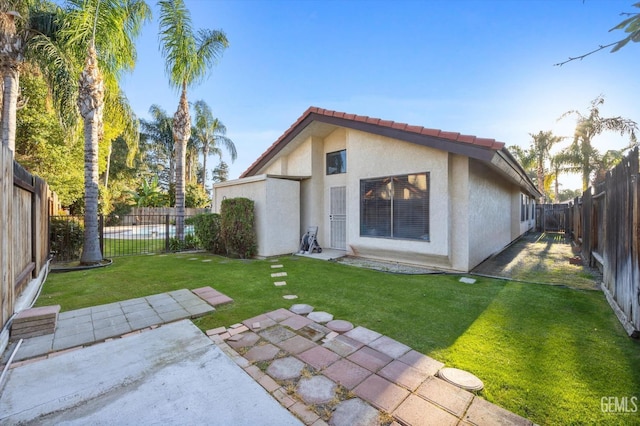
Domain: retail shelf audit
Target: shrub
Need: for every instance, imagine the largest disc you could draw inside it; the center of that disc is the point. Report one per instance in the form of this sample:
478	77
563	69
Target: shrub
237	227
207	229
190	243
66	236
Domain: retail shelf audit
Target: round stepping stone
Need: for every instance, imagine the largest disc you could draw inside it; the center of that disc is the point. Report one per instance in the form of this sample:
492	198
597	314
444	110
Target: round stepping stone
301	309
316	390
285	368
354	411
289	296
462	379
339	326
320	317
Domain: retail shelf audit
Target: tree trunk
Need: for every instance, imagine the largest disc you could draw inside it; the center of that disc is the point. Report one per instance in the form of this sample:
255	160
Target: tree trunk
11	57
10	107
205	153
540	175
181	135
91	103
106	172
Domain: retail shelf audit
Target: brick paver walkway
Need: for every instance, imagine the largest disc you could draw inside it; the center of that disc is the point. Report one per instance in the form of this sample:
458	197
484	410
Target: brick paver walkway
355	377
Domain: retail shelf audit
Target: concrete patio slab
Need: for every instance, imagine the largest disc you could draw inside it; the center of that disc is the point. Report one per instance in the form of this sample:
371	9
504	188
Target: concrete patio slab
390	347
381	393
370	359
446	395
418	412
319	357
482	412
172	375
346	373
355	412
363	334
421	362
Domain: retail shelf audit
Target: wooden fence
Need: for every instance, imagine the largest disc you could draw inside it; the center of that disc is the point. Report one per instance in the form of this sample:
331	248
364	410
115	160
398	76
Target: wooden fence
155	215
25	205
606	222
552	217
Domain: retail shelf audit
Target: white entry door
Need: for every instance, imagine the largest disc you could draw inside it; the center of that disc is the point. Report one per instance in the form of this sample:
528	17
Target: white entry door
338	217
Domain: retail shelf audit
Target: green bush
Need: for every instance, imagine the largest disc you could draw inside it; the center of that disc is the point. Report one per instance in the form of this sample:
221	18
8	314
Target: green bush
237	227
190	243
207	229
66	236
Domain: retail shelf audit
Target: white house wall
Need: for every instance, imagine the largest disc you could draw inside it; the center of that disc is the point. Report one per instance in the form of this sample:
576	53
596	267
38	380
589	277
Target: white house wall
459	205
276	209
372	156
489	213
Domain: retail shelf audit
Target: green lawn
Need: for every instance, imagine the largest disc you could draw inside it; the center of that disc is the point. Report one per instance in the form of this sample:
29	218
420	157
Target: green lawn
545	352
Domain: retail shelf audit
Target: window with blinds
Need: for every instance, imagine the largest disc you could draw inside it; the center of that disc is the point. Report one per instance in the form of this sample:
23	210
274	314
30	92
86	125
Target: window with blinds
395	207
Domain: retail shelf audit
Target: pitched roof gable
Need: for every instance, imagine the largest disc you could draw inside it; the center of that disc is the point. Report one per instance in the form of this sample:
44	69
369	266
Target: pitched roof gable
473	146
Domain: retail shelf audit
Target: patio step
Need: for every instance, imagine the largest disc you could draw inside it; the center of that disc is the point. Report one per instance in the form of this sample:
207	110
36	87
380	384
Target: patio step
35	322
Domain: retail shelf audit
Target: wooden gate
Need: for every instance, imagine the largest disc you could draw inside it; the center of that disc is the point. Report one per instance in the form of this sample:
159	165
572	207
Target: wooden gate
552	217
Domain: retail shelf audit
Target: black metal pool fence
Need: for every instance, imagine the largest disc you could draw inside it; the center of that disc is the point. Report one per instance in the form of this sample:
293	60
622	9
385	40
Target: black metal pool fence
122	236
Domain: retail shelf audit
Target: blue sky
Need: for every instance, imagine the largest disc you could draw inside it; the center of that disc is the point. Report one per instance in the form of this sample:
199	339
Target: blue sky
477	67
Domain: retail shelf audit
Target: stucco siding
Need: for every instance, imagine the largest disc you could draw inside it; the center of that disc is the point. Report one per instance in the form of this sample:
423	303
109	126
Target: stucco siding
489	212
459	205
277	210
369	156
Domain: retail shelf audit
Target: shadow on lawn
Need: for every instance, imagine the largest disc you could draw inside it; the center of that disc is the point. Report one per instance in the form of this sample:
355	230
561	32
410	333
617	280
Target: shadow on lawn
550	354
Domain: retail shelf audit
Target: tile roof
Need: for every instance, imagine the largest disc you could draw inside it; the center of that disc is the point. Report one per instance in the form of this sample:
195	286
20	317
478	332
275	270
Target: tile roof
320	113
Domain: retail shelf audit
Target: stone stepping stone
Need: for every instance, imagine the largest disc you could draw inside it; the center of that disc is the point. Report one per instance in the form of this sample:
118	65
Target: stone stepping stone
320	317
193	258
301	309
207	260
467	280
278	274
316	390
339	326
289	296
280	283
262	353
354	411
462	379
276	266
277	334
285	368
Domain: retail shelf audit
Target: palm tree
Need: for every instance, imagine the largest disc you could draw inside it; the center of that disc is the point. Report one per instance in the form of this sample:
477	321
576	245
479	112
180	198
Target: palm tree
559	164
540	148
211	133
91	104
14	32
188	58
581	152
160	131
111	28
526	158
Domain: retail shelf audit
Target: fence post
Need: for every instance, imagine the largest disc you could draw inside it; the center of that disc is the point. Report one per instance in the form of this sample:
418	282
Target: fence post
101	233
167	225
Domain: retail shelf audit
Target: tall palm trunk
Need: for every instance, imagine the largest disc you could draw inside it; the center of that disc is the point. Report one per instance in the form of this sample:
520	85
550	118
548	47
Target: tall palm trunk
205	154
540	176
11	57
181	135
90	103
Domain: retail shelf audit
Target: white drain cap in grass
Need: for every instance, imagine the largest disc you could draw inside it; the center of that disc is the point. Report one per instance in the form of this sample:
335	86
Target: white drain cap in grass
462	379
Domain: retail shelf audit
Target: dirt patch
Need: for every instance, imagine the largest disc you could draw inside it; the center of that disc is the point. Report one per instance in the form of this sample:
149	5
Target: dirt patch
547	258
